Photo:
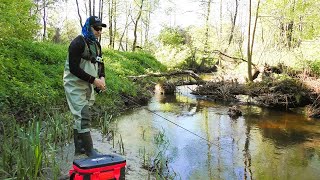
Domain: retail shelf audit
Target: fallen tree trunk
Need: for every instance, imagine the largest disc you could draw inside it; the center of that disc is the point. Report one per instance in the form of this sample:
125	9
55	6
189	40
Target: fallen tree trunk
170	74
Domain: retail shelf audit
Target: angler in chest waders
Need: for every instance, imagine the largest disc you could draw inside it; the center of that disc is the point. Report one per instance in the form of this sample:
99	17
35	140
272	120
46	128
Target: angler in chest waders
83	73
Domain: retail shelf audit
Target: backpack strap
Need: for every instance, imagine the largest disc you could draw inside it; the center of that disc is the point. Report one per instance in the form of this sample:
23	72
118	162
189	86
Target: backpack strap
98	51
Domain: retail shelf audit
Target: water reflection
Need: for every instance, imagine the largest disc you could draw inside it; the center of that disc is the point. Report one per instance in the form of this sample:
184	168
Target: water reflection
263	144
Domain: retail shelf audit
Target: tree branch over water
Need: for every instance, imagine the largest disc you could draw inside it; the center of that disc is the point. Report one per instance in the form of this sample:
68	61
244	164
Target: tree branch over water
175	73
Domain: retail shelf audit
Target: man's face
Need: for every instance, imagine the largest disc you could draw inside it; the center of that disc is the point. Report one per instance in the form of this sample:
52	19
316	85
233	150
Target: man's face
97	30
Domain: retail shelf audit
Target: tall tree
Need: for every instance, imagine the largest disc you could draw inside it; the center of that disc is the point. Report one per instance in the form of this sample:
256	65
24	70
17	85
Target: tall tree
93	7
114	4
251	42
150	7
207	5
233	20
44	18
78	10
112	14
220	32
125	30
90	10
42	10
136	22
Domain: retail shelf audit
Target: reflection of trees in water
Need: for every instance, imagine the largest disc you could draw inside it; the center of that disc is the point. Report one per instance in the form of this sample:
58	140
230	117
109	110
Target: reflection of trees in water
283	128
219	147
208	137
247	156
284	137
167	98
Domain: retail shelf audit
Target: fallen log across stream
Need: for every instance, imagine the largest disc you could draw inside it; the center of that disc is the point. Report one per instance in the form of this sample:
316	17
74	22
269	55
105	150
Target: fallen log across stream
190	73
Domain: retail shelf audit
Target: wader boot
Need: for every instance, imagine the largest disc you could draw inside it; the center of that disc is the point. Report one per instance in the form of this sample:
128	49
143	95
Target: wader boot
88	145
78	145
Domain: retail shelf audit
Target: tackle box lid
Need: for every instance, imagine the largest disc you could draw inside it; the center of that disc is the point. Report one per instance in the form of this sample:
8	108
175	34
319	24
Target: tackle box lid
99	161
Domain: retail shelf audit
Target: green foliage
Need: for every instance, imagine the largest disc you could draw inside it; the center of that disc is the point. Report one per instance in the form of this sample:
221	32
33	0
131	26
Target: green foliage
185	48
172	56
69	31
16	20
172	36
32	74
315	67
120	65
304	15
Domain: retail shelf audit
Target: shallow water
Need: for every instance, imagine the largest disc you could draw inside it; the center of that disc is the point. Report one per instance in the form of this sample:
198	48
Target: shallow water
202	142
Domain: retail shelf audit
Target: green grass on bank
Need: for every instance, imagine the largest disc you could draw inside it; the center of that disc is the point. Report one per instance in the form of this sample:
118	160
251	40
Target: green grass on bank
31	76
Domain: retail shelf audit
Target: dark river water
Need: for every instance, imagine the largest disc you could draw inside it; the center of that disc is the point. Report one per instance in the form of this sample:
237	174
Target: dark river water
200	141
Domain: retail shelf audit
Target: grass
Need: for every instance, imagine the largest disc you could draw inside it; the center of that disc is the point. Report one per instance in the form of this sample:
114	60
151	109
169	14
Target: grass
26	152
156	160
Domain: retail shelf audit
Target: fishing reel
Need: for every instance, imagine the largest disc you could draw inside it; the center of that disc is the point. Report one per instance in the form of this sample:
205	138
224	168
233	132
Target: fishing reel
97	90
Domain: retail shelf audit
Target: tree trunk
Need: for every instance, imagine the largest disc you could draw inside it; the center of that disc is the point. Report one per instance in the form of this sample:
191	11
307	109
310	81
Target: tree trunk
255	26
125	28
127	39
114	5
110	11
136	27
290	27
233	22
147	28
171	74
249	46
251	42
247	156
44	21
80	19
100	14
206	43
90	12
207	26
100	9
141	32
220	19
94	8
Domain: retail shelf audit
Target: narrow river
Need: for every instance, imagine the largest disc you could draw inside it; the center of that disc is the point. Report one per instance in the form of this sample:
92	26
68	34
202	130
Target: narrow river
198	140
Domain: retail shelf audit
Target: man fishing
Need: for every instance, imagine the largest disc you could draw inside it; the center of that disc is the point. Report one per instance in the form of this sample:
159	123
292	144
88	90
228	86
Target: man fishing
83	73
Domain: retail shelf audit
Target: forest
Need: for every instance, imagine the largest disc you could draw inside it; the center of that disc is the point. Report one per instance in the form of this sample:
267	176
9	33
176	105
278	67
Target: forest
266	49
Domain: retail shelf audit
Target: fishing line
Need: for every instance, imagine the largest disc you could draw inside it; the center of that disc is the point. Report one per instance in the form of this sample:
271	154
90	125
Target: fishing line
209	142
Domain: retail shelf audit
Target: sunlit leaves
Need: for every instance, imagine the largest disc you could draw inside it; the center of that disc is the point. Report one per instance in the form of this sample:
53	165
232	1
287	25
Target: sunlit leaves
172	36
17	19
304	15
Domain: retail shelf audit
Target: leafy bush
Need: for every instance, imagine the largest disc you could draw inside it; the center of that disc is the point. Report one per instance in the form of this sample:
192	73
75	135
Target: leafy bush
172	36
315	67
16	19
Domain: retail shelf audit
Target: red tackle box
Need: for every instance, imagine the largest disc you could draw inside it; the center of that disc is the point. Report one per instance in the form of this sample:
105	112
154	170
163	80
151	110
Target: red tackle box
102	167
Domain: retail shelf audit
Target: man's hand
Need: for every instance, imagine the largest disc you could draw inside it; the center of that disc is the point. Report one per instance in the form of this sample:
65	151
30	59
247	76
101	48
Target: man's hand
100	83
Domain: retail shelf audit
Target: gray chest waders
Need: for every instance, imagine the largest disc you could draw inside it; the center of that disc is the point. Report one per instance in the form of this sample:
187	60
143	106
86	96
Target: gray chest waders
80	94
80	97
